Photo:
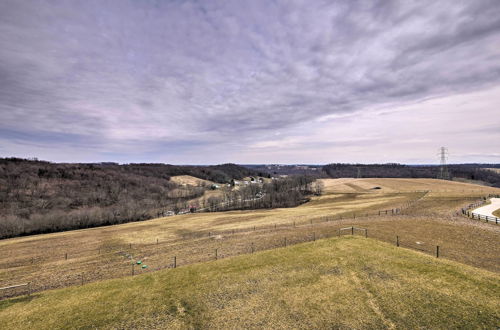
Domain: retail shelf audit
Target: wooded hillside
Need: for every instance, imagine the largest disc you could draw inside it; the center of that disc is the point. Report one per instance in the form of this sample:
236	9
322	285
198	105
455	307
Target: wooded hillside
38	196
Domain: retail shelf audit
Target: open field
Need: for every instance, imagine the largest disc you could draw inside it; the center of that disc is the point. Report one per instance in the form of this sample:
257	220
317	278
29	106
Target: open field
107	252
436	187
497	170
197	182
190	180
351	282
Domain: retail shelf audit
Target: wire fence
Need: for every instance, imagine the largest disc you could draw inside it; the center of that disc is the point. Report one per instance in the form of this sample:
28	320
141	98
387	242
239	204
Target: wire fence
110	250
131	259
147	259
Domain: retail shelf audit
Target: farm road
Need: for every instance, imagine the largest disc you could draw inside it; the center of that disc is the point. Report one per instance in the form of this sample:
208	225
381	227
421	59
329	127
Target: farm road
488	210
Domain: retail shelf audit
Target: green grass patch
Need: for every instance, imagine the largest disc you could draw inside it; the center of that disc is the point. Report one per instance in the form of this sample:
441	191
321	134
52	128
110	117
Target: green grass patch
348	282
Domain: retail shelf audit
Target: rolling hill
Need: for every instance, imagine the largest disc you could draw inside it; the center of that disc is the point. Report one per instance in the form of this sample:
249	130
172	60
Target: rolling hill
350	282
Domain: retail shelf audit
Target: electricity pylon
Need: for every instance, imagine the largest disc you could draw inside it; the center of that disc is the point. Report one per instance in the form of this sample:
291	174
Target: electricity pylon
443	169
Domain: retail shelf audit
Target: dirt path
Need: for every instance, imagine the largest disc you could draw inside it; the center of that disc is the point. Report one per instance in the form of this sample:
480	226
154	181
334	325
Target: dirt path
487	210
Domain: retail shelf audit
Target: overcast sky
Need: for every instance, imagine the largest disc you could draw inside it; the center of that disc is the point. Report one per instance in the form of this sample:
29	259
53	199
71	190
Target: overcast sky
203	82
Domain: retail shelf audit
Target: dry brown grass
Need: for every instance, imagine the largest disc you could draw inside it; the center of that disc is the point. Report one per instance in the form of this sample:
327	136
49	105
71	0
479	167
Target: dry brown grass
195	182
391	185
348	283
431	220
190	180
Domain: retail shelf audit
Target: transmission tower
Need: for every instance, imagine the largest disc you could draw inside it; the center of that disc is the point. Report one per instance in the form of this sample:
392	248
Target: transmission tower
443	169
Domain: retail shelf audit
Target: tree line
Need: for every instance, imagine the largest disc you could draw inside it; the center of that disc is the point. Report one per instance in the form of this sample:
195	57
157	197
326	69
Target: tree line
283	192
40	197
465	171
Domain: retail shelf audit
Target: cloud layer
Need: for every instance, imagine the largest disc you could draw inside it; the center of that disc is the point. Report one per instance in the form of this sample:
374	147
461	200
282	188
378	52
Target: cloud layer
214	81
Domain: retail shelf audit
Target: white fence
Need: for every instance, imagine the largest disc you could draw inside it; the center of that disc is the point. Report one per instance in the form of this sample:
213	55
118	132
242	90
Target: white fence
467	211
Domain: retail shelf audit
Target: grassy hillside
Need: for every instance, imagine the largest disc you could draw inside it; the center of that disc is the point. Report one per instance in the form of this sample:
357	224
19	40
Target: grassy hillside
104	252
333	283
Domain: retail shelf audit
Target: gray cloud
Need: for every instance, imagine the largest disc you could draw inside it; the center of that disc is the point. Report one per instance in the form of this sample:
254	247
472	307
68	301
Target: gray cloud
192	74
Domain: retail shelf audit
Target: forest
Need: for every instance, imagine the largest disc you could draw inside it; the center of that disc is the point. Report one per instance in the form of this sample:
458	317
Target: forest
38	196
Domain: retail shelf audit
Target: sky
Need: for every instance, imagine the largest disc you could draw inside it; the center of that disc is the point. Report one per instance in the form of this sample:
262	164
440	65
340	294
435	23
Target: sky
250	82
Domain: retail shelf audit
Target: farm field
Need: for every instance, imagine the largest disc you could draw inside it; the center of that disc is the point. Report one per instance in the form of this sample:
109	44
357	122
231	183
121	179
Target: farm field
348	282
190	180
427	219
402	184
497	170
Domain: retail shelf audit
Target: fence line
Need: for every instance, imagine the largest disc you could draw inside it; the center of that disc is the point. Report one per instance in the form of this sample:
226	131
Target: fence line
202	234
205	254
466	211
297	233
28	285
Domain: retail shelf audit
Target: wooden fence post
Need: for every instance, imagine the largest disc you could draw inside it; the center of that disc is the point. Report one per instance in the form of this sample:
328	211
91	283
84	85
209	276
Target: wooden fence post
314	236
175	261
157	241
82	278
252	248
66	256
437	251
216	256
366	233
352	230
285	241
397	240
